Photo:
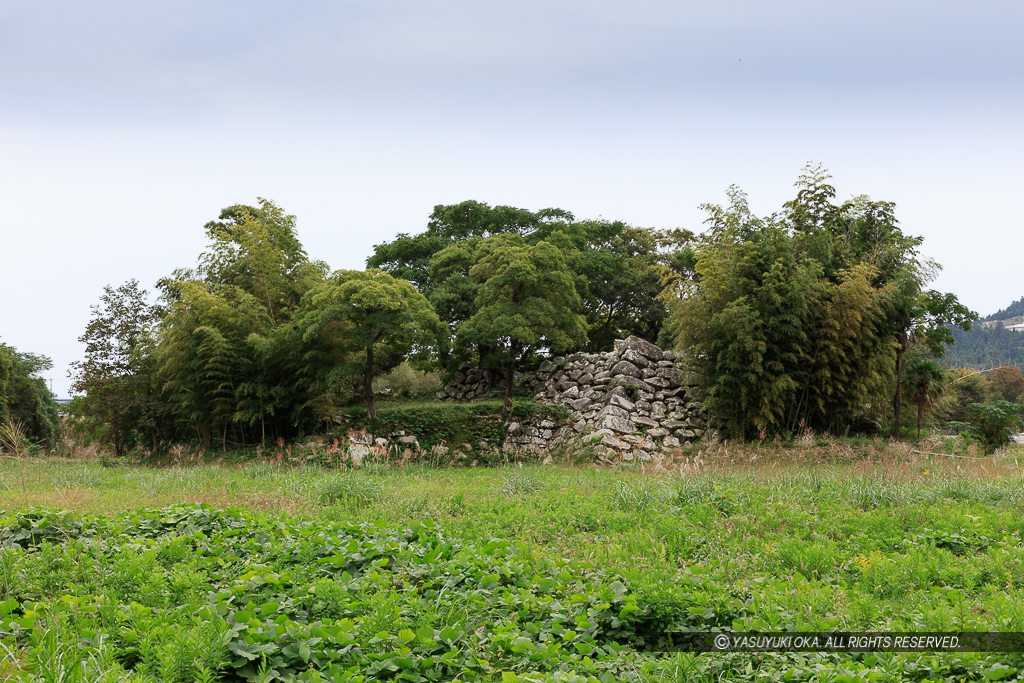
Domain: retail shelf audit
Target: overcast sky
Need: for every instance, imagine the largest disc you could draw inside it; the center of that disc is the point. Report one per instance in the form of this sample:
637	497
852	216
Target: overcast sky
125	126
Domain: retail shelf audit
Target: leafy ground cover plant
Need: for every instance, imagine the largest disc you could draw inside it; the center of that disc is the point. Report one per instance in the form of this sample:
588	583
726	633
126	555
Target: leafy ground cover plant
192	592
913	544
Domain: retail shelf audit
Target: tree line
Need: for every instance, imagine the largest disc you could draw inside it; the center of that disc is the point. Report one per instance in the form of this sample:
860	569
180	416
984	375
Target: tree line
27	408
818	316
988	346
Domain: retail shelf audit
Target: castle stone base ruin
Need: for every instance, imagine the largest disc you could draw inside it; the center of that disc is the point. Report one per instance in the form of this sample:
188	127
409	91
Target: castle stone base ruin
631	403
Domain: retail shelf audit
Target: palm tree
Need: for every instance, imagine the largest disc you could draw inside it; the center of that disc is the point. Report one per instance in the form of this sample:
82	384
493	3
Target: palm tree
922	383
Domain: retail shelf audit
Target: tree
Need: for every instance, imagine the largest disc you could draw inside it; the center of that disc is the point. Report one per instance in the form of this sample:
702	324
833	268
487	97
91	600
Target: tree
863	231
923	382
386	318
617	268
1007	382
117	375
207	353
963	386
408	257
618	271
923	319
25	400
527	301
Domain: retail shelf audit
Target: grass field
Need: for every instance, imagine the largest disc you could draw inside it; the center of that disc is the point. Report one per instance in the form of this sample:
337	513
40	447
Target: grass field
269	572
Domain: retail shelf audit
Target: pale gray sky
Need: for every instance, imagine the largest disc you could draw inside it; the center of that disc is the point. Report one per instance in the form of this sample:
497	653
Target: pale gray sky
124	126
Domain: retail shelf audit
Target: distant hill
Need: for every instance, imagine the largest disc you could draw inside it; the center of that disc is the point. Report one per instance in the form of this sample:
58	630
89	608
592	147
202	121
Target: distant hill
989	342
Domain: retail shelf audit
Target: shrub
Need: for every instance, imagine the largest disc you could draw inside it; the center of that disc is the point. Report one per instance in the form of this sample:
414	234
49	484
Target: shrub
407	382
993	424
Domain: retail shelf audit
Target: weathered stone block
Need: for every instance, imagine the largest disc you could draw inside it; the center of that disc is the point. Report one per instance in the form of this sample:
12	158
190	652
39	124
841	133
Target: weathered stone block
622	402
614	442
670	374
624	367
635	358
615	411
618	424
644	348
633	381
581	404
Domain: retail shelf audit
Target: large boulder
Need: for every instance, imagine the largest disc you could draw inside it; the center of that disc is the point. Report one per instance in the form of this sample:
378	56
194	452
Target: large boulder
621	402
618	424
624	367
633	381
581	404
635	358
612	410
644	348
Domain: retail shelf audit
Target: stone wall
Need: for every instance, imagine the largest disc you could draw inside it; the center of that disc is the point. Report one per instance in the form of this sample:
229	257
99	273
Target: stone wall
633	402
472	383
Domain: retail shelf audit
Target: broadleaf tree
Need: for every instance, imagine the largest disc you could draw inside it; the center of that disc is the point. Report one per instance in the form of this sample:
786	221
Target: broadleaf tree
386	319
25	400
527	302
120	391
617	269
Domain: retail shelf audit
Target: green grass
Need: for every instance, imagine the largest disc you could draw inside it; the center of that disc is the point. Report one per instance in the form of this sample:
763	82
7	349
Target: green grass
893	544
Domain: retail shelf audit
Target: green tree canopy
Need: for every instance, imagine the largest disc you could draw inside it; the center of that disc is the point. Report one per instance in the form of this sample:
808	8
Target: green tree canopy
994	423
24	397
117	376
527	301
385	317
617	267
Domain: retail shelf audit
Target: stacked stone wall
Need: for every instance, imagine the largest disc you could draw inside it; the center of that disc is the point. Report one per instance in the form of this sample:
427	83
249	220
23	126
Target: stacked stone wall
472	383
634	402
